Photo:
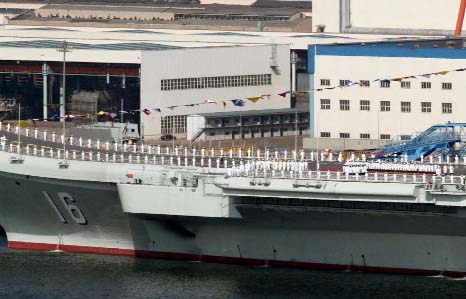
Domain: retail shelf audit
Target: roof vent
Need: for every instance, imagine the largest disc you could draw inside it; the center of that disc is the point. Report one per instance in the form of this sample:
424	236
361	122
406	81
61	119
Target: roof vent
320	28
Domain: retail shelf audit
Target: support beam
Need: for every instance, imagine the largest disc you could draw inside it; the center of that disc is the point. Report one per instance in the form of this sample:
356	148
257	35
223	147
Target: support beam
45	85
459	22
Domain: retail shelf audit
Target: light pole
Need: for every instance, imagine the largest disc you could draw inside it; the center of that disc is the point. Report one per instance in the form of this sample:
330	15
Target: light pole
64	47
294	59
19	133
378	126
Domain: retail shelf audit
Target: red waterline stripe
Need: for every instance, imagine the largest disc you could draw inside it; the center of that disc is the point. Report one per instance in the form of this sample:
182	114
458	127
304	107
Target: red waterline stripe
70	248
229	260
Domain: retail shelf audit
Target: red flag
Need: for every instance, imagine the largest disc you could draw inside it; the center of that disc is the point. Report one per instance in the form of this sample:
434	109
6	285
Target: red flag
146	111
283	94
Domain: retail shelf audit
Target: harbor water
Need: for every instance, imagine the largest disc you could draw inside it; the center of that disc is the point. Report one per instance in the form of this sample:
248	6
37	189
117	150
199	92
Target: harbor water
35	274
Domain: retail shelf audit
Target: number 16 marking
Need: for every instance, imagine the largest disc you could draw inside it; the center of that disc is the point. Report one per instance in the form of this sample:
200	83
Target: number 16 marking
73	210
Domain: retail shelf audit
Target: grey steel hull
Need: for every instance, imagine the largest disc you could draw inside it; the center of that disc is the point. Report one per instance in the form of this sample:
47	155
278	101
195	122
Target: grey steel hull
390	241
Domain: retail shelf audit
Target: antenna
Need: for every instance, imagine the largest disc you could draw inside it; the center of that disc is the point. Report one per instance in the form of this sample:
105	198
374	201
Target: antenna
64	47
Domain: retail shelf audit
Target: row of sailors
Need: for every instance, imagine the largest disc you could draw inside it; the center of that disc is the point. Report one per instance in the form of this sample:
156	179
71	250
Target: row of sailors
363	167
404	167
270	165
355	167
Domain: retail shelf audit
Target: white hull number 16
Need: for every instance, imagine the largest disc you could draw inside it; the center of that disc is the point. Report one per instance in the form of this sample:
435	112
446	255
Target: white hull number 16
67	202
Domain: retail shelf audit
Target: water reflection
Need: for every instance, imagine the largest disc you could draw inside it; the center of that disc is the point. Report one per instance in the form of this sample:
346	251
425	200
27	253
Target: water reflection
33	274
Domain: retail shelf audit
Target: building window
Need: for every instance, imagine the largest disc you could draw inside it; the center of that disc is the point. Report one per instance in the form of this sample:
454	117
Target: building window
385	106
447	108
406	107
365	136
426	85
385	136
344	105
385	83
216	82
364	83
344	135
324	134
325	82
426	107
229	17
405	137
173	124
324	104
344	82
446	85
364	105
405	84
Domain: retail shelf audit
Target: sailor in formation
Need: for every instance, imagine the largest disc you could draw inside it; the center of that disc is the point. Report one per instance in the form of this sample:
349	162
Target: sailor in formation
355	168
403	167
350	167
268	165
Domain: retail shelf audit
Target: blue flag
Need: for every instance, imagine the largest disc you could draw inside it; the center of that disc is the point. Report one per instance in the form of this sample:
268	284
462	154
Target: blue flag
238	102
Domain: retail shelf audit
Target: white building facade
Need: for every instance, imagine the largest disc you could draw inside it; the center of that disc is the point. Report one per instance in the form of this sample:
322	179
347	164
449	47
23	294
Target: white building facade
386	16
197	75
385	103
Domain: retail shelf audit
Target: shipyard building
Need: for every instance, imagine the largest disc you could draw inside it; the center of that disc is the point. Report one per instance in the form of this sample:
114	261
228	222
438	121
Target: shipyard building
371	92
121	69
141	55
414	17
131	77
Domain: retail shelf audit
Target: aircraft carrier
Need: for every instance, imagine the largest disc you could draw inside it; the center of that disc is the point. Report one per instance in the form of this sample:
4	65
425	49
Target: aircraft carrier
229	207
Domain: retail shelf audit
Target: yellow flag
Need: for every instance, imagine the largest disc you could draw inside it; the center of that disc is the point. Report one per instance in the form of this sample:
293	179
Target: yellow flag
254	99
100	113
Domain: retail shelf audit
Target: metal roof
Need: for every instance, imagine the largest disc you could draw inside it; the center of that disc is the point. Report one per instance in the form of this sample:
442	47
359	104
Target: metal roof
139	31
46	29
143	46
321	36
226	33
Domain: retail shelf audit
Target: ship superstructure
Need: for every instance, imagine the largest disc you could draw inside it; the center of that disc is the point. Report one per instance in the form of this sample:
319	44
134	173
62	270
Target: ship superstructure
258	207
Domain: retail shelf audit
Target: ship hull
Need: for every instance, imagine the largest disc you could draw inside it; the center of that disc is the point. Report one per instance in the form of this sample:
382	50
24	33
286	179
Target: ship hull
88	217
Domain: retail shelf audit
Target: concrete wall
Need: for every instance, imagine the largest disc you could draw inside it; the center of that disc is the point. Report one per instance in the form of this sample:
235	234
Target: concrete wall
395	122
194	123
76	55
229	2
340	144
401	14
4	17
326	13
210	62
423	16
22	5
